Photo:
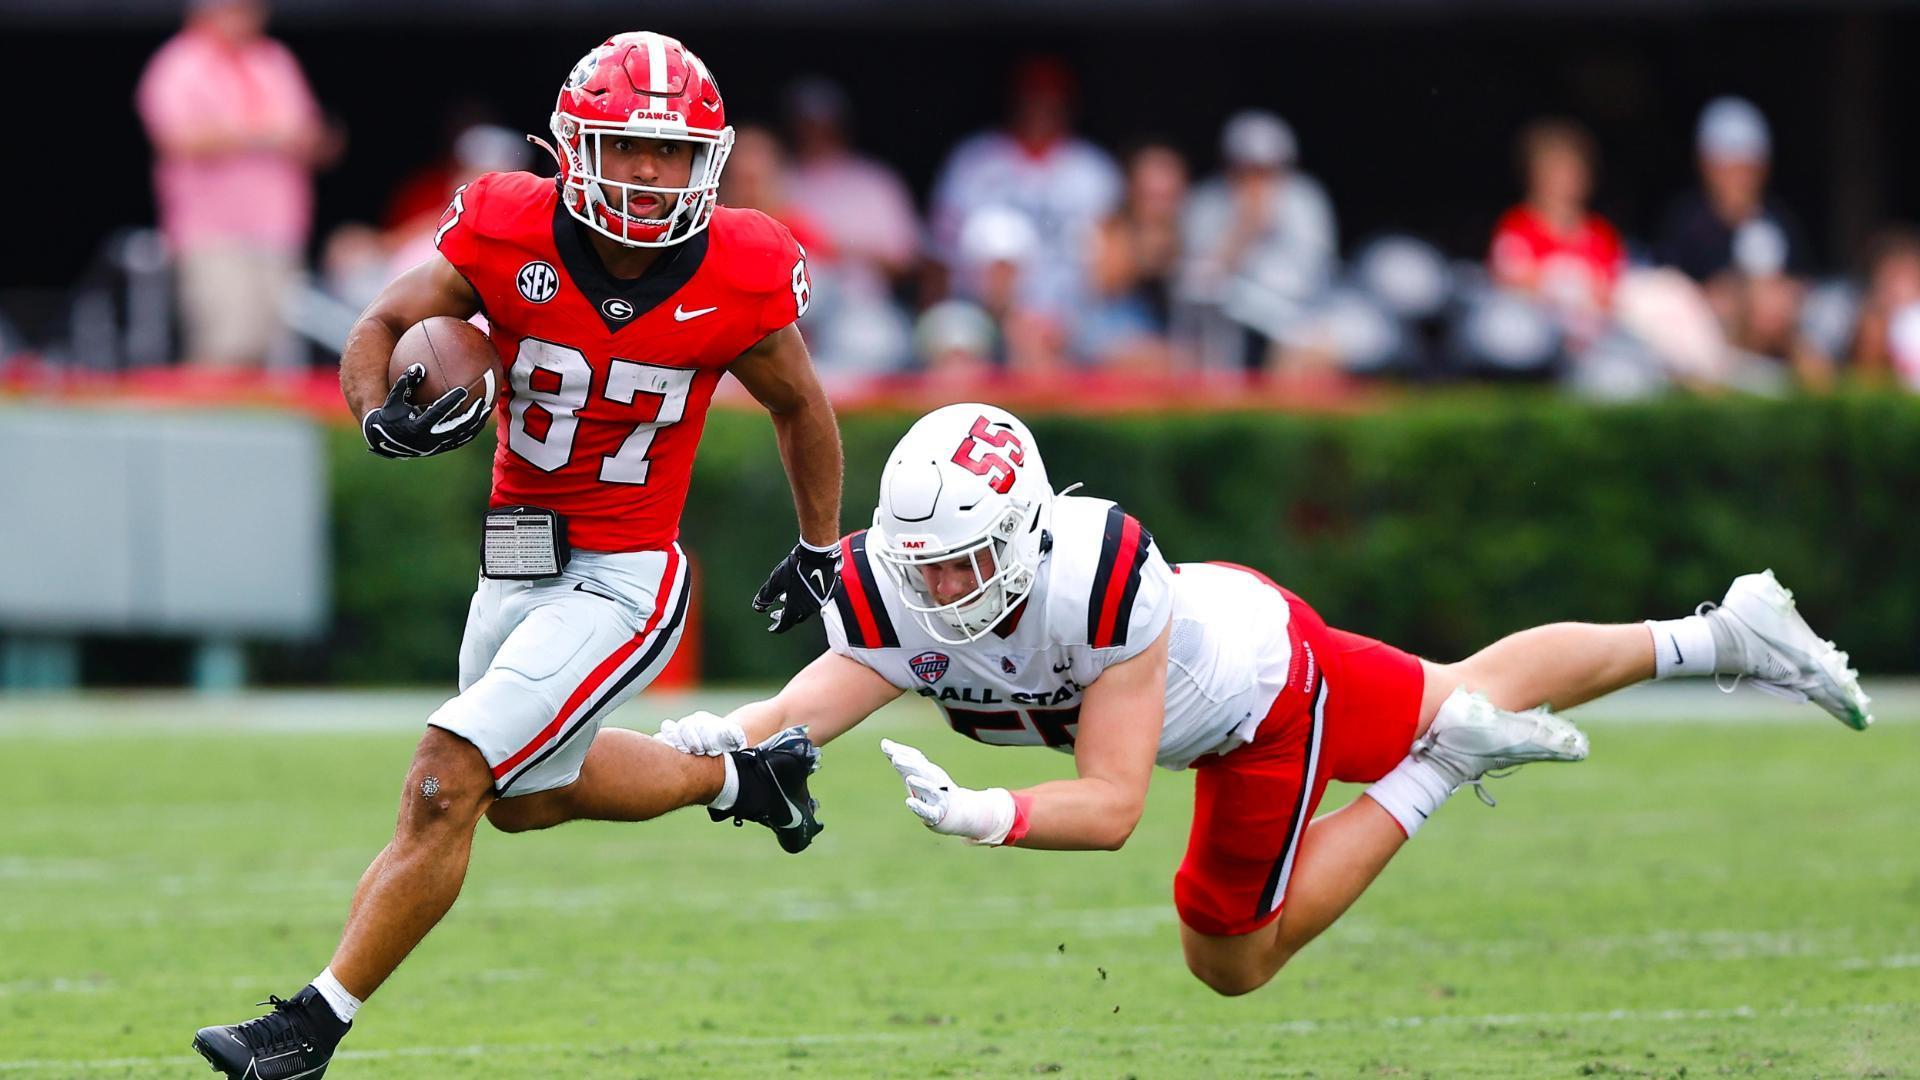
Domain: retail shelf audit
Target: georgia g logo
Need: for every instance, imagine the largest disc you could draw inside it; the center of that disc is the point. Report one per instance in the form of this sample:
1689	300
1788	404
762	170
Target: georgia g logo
582	71
997	469
537	281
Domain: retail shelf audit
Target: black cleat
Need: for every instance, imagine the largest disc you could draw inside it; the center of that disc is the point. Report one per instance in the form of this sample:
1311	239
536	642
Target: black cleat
773	789
293	1042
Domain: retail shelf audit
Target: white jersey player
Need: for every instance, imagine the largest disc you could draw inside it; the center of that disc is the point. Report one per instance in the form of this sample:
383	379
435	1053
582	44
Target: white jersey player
1031	618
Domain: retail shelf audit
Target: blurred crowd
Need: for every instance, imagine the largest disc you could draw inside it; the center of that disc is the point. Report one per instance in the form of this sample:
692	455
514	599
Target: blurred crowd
1038	251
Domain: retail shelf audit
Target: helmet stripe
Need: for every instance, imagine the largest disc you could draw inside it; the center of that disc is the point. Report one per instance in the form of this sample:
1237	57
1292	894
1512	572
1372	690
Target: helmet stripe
656	70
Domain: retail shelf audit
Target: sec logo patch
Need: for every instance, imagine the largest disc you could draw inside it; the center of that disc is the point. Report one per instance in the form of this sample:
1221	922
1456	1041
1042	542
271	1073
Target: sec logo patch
538	282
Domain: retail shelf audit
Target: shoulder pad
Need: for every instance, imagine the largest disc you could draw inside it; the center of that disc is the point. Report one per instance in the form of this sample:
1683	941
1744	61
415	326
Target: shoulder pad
516	207
859	604
1100	557
755	253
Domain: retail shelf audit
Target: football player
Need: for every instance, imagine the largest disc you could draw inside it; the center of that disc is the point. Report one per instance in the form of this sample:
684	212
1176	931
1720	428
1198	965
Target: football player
617	294
1031	618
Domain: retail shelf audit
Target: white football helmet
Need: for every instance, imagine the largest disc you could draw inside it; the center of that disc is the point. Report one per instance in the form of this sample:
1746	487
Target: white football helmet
964	480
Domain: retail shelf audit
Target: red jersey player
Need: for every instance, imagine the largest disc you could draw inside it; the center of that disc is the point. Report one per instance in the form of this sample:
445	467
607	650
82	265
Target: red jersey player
617	294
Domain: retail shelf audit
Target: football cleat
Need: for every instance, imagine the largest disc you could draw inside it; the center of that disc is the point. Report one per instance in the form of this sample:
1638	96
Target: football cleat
773	789
293	1042
1781	654
1471	737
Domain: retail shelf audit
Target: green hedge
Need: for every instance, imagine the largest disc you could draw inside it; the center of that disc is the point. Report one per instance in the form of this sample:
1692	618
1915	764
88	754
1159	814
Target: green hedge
1438	525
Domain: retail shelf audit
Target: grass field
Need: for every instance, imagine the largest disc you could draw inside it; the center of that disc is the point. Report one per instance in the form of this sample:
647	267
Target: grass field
1734	893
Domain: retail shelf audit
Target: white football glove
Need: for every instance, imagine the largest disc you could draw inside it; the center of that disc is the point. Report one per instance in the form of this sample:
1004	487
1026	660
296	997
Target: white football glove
703	733
981	817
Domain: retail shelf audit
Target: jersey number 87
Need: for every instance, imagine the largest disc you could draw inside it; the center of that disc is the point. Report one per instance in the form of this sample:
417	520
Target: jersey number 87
550	385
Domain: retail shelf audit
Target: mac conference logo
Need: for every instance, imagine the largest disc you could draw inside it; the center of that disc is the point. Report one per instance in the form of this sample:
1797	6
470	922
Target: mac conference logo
538	281
929	666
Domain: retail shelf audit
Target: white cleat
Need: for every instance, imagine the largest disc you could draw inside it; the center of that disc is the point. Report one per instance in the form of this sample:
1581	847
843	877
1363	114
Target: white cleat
1470	737
1783	656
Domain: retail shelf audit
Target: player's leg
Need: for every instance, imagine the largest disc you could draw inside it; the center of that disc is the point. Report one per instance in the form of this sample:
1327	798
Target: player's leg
1375	718
1340	855
618	775
416	879
1755	633
1560	665
626	776
1263	876
403	894
321	1012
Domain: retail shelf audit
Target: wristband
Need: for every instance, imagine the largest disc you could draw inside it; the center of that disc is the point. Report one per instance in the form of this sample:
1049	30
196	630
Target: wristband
1022	811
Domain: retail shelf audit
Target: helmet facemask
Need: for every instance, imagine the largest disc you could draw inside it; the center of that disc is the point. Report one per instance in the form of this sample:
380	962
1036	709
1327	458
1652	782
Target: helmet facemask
1002	572
586	184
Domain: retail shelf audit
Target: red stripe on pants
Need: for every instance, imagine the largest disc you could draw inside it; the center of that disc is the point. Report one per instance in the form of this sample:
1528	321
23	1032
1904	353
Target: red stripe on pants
601	671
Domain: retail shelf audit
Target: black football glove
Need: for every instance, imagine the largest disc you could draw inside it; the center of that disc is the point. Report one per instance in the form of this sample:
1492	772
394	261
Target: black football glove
398	429
802	584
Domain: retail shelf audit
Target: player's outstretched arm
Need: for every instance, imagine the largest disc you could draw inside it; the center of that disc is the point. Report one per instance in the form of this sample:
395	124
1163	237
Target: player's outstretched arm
828	697
780	375
1114	751
432	288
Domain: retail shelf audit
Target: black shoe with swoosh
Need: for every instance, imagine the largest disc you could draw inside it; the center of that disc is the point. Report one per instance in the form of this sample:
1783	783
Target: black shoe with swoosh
773	789
293	1042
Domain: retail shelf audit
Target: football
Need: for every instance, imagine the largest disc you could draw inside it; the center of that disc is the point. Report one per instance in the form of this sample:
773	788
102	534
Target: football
454	352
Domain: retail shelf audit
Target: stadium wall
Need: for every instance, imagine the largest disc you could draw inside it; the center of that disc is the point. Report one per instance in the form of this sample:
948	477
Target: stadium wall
1438	525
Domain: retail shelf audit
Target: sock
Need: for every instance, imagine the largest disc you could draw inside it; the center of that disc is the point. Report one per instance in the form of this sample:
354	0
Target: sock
1686	646
1411	792
344	1005
729	788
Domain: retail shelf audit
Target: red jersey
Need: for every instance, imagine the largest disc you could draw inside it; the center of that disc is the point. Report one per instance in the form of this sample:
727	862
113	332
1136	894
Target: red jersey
1573	270
608	379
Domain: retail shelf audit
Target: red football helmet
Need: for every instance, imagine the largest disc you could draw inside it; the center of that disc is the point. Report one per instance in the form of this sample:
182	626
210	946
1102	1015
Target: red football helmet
648	86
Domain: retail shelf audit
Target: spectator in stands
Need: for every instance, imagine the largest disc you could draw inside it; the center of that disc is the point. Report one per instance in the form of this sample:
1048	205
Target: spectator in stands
425	190
861	204
1062	184
855	325
1552	247
1742	244
1135	254
851	324
756	178
1261	247
996	259
237	135
357	260
1886	343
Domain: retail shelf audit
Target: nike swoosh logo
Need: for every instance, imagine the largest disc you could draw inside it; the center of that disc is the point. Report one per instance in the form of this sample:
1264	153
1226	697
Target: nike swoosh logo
454	422
681	314
1677	658
798	818
582	587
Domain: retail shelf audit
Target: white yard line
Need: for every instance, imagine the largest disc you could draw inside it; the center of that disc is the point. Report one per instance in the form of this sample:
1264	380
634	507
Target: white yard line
1284	1027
